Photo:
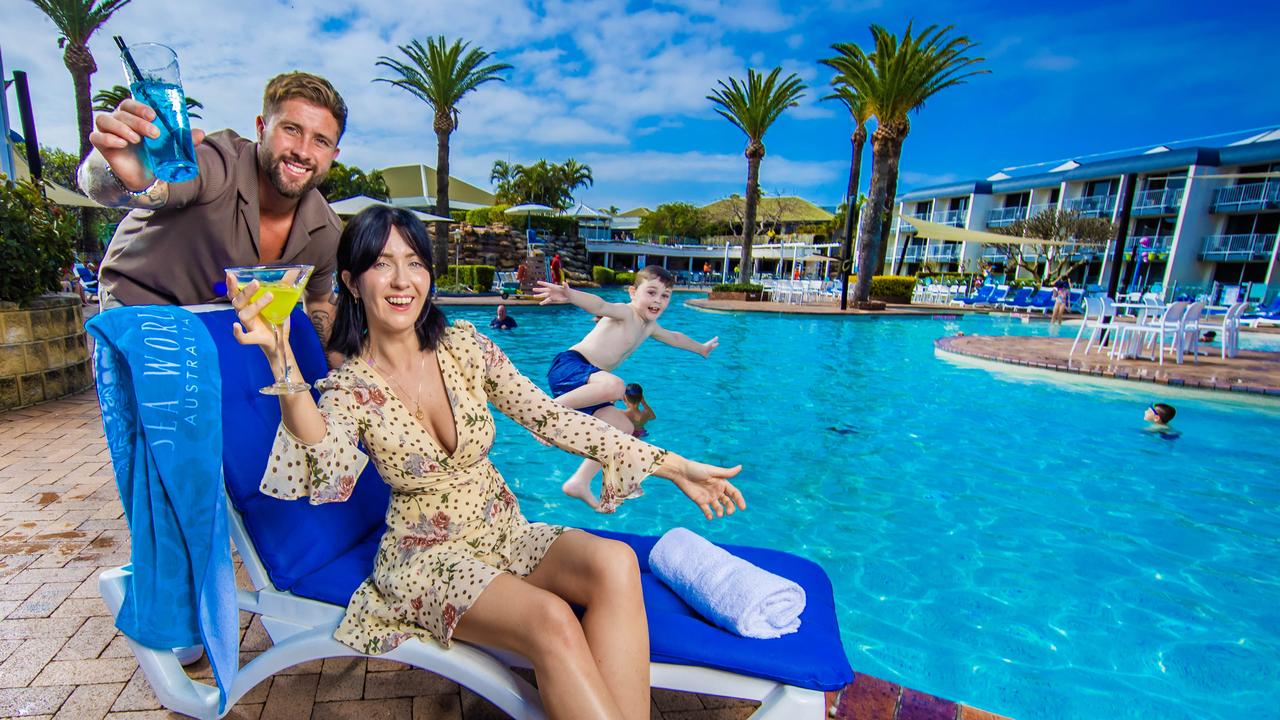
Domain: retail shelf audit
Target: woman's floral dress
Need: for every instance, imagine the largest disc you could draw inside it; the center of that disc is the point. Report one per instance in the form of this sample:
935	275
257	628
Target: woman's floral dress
452	524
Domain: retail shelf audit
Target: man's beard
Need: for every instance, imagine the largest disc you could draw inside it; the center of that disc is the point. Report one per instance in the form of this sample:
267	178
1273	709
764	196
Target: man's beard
274	167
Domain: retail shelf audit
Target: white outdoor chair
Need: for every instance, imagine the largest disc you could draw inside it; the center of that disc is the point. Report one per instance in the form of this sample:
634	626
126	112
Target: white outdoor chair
1170	325
1189	332
1229	328
1096	321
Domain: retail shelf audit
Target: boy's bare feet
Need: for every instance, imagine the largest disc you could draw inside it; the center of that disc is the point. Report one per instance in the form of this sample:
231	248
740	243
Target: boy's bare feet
579	487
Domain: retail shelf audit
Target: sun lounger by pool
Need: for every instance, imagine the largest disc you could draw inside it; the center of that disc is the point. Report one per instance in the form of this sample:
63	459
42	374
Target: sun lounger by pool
304	562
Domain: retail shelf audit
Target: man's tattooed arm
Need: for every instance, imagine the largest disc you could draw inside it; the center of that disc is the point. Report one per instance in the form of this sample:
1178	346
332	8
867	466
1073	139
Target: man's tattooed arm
322	309
96	180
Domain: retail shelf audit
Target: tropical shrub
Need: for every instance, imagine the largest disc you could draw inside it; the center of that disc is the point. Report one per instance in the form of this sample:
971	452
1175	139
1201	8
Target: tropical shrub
738	287
602	275
624	278
477	277
37	242
889	287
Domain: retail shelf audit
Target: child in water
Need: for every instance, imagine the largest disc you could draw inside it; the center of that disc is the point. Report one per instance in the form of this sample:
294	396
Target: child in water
1160	415
638	411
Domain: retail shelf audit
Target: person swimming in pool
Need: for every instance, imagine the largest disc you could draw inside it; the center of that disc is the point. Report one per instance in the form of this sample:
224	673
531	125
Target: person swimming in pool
582	376
638	411
1160	415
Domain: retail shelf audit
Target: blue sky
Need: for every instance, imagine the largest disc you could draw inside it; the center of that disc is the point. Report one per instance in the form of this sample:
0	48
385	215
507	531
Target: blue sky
622	86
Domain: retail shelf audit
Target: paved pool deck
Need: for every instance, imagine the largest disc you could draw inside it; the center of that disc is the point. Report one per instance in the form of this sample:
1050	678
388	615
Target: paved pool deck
61	523
1252	372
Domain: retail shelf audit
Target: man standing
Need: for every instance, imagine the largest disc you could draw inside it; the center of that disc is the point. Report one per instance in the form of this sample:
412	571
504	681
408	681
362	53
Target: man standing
253	202
557	270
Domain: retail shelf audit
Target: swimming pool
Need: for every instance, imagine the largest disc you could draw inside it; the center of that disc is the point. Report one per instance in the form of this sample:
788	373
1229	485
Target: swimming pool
1015	543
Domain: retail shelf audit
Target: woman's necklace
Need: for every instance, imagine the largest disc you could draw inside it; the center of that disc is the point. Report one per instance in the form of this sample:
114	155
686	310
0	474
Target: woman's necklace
422	371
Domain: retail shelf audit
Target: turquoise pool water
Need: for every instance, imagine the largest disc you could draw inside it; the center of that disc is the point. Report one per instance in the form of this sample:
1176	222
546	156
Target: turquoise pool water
1017	544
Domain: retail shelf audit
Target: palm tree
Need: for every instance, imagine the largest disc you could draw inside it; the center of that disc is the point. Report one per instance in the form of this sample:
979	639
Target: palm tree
895	79
503	177
752	107
573	175
440	74
108	100
76	21
860	110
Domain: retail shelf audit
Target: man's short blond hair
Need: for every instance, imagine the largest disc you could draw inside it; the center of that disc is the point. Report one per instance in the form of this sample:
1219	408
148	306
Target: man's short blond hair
312	88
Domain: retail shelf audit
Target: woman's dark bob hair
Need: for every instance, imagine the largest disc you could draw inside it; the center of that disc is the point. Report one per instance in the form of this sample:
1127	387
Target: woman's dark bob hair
362	242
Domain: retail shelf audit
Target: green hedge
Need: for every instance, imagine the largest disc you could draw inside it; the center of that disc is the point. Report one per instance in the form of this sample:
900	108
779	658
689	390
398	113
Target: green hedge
36	242
476	277
738	287
888	287
602	275
481	217
625	278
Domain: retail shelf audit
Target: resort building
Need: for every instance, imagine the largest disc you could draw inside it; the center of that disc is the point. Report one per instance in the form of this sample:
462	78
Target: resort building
1201	215
787	238
414	186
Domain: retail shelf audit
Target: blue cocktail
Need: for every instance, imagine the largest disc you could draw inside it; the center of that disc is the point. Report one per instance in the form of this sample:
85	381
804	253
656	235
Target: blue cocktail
154	81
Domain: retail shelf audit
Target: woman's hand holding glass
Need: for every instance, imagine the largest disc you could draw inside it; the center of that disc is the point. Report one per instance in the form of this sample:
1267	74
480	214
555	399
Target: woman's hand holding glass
252	328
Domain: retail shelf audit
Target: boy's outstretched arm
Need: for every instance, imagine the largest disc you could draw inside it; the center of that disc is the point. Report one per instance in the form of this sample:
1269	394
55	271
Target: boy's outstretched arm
551	292
684	342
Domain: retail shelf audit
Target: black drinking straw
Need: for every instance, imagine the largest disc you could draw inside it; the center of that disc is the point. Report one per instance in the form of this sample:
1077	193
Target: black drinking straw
128	58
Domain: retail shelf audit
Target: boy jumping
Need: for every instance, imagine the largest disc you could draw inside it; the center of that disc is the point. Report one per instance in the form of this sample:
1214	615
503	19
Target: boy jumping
582	378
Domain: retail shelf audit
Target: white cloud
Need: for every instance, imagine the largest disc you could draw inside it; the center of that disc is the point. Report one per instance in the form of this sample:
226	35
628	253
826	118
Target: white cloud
924	179
1052	62
589	77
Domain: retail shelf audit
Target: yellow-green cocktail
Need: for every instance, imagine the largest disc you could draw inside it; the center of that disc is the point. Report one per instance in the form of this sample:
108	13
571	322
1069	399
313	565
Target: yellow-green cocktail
285	283
283	297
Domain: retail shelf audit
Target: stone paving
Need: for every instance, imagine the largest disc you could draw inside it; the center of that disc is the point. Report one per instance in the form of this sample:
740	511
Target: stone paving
1250	371
61	523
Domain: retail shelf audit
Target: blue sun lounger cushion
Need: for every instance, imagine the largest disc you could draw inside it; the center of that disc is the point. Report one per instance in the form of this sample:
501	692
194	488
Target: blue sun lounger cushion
324	552
293	539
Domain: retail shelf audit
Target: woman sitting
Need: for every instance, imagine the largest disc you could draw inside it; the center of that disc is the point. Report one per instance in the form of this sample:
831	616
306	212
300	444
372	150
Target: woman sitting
458	559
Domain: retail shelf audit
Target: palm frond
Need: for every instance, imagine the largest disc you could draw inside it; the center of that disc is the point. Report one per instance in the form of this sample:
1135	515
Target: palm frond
440	73
754	105
77	20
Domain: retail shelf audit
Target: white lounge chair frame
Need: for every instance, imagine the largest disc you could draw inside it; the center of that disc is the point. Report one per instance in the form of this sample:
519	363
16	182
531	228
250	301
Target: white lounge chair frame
301	630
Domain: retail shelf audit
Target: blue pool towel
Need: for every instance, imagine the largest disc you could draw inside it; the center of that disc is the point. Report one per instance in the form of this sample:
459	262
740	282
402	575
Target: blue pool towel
726	589
161	397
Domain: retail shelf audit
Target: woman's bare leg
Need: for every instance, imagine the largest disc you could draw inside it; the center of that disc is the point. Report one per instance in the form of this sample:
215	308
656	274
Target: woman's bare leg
603	577
579	484
516	615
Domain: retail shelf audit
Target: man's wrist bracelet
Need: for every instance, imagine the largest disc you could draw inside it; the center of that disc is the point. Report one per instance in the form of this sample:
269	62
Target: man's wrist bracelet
125	188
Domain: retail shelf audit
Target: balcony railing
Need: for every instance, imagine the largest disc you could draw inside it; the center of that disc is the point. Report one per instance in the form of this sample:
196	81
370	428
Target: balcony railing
1158	202
1035	210
1158	244
954	218
1247	197
904	223
998	254
1001	217
1093	205
1238	248
944	253
914	252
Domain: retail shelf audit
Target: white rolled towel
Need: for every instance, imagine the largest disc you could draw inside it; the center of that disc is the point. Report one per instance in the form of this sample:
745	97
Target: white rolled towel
726	589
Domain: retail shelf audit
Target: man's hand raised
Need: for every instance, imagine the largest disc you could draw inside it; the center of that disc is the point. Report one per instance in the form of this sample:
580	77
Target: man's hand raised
118	137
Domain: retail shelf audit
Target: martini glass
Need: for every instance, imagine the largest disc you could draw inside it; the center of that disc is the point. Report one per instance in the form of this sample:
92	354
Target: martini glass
285	283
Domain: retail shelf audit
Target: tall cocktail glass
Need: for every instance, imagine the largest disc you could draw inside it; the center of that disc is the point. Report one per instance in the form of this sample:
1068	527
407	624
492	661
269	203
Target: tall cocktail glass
285	283
154	81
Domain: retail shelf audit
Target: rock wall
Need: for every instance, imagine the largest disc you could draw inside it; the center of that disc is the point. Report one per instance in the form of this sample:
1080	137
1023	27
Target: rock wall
505	248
